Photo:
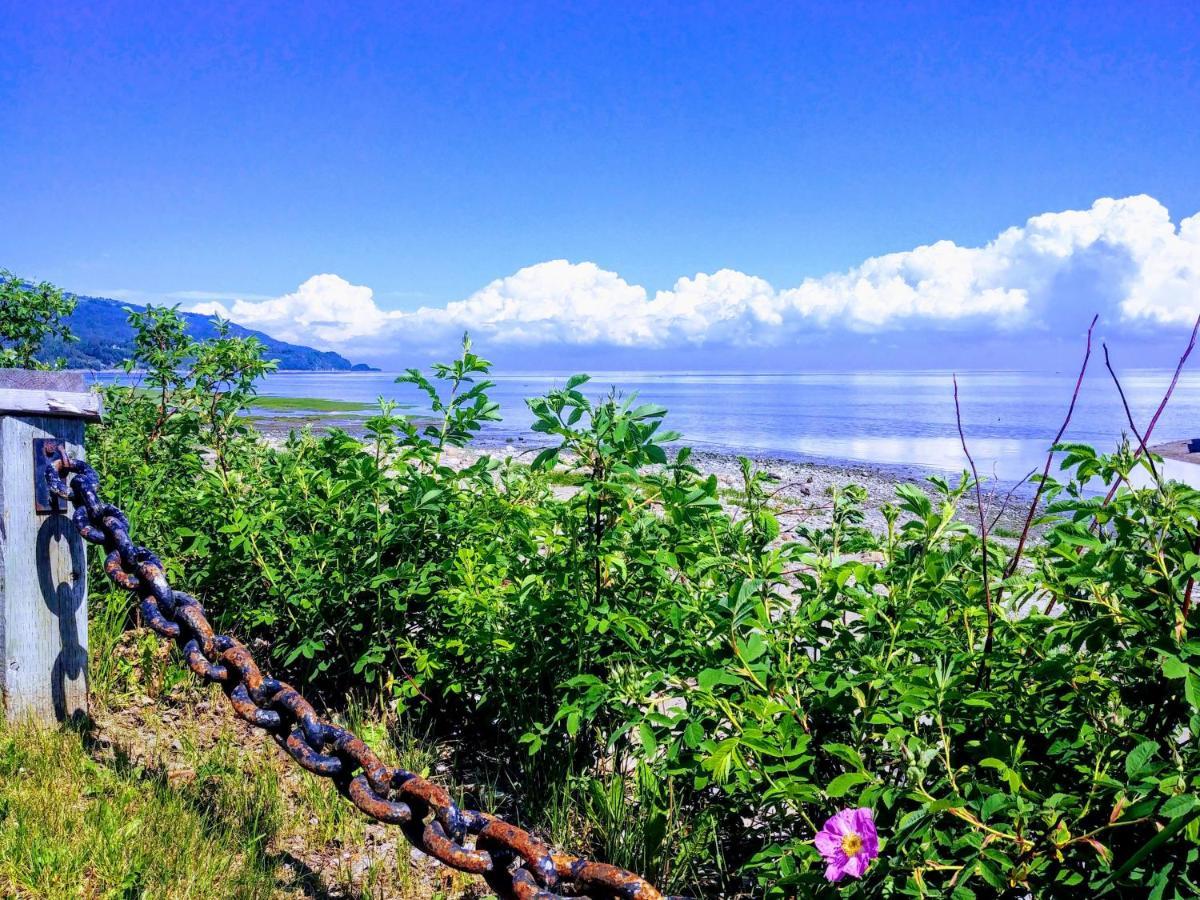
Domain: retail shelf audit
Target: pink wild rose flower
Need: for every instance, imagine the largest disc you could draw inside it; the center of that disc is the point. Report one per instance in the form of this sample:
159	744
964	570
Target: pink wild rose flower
848	842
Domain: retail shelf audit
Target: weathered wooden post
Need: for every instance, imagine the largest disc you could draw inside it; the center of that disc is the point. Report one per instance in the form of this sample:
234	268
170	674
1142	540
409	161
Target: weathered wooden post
43	564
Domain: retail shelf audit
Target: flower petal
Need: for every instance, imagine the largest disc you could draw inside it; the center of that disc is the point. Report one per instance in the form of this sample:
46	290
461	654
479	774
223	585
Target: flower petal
870	846
857	864
841	822
864	821
828	843
864	825
835	871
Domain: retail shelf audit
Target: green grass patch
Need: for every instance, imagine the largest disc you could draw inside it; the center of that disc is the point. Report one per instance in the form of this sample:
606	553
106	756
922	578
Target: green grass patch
309	404
296	404
564	478
73	827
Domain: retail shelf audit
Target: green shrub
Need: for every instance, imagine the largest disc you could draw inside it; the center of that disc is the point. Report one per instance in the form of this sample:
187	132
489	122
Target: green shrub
673	684
29	316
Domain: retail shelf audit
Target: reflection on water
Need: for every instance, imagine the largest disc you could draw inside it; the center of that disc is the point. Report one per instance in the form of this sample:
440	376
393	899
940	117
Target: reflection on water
897	418
933	452
1172	470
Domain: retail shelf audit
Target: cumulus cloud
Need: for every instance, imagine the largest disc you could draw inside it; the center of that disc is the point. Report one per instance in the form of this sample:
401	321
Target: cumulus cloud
326	310
1124	257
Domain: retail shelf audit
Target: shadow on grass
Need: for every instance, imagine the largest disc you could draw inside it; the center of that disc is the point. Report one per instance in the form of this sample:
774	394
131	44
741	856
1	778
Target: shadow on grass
300	876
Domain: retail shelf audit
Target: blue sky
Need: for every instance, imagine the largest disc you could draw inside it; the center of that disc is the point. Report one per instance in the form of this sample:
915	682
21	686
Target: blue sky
434	154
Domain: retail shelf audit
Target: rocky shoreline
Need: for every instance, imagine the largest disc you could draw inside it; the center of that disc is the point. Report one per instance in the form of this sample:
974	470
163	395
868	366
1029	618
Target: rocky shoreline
803	486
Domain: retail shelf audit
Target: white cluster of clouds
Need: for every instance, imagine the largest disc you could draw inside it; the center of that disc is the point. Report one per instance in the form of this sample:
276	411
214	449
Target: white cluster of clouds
326	310
1124	258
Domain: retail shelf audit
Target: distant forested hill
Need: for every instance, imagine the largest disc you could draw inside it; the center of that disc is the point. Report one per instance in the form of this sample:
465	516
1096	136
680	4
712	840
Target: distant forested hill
106	340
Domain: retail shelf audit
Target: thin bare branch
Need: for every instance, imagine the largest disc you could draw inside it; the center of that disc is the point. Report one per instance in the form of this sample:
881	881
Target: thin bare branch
1163	405
1008	498
1129	417
983	528
1037	496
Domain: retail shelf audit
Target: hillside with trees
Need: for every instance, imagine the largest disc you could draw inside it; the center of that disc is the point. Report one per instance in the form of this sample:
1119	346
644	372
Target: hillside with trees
104	340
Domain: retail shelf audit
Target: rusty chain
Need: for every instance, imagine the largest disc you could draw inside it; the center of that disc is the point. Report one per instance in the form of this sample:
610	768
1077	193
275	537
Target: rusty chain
512	862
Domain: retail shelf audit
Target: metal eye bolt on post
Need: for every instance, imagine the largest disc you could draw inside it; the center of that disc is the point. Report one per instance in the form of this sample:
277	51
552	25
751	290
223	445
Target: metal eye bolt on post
43	571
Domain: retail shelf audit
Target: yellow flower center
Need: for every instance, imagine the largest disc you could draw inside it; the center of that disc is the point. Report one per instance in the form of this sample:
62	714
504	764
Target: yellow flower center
851	844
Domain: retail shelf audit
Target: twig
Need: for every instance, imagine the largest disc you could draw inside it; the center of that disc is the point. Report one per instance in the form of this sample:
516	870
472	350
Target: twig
783	487
1008	497
416	687
1161	406
983	528
1016	557
991	494
1129	417
794	510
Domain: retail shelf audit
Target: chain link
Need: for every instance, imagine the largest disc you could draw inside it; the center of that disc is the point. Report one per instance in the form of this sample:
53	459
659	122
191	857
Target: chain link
512	862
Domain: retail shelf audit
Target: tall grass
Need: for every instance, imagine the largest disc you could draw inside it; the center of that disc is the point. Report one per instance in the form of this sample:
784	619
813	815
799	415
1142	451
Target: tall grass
71	826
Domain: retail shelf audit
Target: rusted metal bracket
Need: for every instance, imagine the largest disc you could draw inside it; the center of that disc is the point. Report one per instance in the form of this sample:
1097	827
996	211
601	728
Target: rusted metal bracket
45	451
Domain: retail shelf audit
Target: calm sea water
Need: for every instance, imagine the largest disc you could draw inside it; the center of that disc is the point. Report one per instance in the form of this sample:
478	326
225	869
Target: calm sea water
892	418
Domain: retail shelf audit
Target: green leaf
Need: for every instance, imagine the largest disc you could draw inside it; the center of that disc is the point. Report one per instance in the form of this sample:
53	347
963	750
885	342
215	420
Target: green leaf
710	678
533	741
1174	667
1191	689
722	758
990	875
752	648
648	741
648	410
849	754
844	782
1180	805
547	456
1139	757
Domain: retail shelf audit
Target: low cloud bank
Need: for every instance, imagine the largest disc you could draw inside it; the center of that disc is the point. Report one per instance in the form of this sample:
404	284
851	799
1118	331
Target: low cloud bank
1124	258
